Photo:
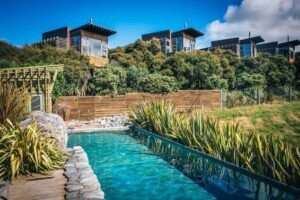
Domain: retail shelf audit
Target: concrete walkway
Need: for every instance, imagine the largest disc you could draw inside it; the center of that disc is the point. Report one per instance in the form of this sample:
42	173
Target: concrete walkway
32	188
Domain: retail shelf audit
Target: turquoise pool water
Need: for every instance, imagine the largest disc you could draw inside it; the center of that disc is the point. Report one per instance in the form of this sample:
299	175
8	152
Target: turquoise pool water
133	165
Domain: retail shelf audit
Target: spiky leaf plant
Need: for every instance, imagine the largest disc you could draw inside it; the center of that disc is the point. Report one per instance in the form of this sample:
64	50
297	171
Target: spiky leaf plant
26	151
13	103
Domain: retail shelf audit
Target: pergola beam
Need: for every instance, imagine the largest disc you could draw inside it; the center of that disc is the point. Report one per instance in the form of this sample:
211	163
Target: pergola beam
38	79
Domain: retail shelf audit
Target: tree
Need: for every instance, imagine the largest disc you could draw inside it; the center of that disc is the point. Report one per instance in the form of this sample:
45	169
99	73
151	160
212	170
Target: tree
109	80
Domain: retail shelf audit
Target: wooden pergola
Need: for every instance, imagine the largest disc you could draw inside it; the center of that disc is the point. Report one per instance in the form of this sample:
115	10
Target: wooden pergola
38	80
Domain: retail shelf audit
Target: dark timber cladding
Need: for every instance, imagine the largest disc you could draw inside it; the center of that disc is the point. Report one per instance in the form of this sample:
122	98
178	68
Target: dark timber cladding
225	42
270	47
60	32
159	34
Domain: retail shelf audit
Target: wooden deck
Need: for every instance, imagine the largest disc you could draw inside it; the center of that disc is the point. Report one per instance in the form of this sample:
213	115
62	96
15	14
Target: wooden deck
27	188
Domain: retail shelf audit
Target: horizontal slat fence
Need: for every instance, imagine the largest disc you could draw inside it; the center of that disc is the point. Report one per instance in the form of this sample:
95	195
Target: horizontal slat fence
90	107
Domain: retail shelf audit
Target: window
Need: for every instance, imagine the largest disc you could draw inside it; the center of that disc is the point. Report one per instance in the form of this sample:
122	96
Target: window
36	103
246	50
189	45
75	43
94	47
177	44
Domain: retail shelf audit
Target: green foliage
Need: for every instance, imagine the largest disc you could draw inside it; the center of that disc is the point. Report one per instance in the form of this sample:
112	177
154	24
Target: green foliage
156	83
134	76
13	103
264	154
109	80
28	150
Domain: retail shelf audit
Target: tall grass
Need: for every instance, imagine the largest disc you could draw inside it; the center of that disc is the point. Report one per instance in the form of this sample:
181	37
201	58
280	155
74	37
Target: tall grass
264	154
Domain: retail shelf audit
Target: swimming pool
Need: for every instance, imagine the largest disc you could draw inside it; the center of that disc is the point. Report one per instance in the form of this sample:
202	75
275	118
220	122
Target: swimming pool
140	165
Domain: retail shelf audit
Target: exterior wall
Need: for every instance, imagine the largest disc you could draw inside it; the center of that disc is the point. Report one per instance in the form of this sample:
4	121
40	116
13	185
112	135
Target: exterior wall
90	107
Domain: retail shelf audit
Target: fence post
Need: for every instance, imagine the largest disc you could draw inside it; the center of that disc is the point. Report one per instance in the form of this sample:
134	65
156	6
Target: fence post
221	99
257	96
290	94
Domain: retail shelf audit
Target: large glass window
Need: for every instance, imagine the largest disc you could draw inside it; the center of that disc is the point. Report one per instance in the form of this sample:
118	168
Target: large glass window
75	43
94	47
189	45
177	44
246	50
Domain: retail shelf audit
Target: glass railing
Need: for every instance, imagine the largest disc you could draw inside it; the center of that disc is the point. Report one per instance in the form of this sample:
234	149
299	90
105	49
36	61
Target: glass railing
222	179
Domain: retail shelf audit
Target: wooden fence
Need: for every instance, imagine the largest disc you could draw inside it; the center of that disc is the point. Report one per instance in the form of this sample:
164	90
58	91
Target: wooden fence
90	107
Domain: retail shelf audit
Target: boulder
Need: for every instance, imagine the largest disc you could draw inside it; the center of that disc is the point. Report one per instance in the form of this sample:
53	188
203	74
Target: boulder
53	124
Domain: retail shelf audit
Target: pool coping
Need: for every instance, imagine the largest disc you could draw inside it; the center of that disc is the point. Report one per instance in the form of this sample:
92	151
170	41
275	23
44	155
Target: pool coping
81	183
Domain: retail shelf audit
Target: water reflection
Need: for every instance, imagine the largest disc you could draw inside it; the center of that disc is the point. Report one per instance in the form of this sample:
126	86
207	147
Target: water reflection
221	181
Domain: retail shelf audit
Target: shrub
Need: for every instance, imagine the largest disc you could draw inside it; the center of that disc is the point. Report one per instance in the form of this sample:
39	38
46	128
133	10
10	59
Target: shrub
265	154
28	150
156	83
13	103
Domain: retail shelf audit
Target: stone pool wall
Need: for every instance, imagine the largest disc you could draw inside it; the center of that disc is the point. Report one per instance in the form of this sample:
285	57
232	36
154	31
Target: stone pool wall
82	183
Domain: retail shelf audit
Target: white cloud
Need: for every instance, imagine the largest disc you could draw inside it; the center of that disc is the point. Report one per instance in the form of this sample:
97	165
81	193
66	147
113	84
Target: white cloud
272	19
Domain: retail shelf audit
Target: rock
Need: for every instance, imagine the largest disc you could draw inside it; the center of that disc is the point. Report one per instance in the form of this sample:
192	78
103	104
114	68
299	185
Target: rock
53	124
72	188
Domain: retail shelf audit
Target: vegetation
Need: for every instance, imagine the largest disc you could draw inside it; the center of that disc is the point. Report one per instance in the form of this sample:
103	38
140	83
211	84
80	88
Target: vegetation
142	67
27	150
13	103
23	150
278	119
264	154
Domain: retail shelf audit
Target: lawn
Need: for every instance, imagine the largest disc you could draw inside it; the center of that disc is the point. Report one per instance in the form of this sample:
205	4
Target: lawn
280	119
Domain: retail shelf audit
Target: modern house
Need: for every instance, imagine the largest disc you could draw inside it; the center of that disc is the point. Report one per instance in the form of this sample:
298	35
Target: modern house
270	47
88	39
179	41
287	49
242	48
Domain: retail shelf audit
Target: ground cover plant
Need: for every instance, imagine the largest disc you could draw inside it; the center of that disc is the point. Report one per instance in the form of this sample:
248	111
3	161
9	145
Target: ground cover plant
261	153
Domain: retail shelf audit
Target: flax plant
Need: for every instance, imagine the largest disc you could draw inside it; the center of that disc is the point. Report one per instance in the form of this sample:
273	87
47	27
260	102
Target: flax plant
13	103
28	150
264	154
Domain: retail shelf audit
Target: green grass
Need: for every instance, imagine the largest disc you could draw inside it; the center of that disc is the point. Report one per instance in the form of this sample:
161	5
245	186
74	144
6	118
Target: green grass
280	119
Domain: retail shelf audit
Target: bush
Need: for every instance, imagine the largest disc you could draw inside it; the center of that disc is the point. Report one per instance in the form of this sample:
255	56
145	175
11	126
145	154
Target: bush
28	150
238	98
156	83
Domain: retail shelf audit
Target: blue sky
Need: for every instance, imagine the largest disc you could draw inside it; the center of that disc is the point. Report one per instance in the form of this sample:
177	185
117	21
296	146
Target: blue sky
23	21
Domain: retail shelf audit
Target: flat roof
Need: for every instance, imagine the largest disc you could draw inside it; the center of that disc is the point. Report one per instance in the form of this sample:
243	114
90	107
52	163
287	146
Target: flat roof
190	31
290	43
256	39
95	29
